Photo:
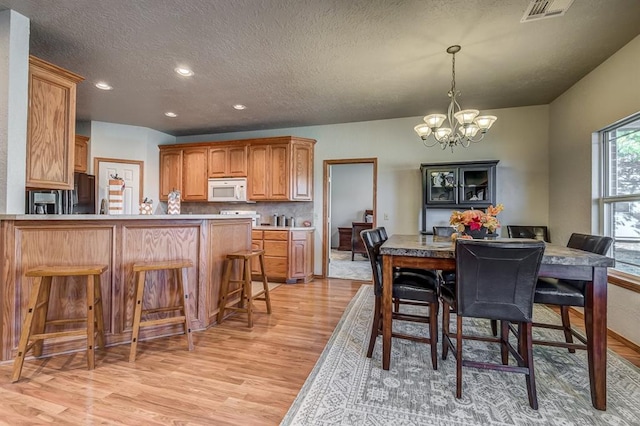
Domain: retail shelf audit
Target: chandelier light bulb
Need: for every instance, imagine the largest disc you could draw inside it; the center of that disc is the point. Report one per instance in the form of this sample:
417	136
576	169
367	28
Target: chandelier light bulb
463	125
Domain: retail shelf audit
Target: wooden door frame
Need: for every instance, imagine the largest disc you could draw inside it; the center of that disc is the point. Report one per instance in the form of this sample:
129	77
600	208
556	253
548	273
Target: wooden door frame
326	236
96	171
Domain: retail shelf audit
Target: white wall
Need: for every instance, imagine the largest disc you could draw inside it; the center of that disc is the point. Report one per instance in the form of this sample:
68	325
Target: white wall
609	93
351	195
109	140
518	139
14	86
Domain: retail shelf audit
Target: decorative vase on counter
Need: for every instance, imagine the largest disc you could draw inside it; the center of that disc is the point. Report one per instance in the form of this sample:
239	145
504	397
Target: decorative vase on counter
478	234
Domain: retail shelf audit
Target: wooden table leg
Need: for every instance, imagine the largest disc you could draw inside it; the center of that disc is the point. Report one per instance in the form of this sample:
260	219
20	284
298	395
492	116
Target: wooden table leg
387	295
595	318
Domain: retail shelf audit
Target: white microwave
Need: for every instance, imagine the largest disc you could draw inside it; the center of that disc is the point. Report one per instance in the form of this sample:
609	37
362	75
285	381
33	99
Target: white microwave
225	190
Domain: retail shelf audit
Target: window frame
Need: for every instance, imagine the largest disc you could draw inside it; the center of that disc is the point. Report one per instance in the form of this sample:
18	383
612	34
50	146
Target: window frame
607	201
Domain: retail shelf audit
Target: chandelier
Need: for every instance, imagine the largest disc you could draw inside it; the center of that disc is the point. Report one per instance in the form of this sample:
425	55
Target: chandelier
462	125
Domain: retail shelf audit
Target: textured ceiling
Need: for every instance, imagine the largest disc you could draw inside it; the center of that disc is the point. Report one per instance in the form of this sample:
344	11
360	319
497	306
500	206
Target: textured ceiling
305	62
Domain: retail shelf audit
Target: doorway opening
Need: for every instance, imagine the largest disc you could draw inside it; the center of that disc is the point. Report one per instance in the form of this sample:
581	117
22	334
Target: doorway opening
349	203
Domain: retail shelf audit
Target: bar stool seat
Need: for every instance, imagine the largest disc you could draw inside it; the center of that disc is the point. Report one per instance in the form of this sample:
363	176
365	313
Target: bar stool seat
178	267
245	288
35	321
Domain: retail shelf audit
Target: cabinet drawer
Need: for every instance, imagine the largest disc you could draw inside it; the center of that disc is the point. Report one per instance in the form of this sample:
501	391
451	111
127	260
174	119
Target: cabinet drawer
302	235
275	248
276	235
256	234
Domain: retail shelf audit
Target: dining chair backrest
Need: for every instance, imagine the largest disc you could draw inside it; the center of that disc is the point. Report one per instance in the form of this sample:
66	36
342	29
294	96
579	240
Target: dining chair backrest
527	231
496	279
592	243
383	233
372	243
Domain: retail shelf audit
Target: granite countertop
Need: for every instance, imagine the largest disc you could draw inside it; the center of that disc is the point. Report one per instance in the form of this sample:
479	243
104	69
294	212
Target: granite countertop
283	228
424	246
37	217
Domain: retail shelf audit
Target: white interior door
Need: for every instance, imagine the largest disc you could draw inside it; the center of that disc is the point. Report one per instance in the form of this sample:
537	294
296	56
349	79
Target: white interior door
131	175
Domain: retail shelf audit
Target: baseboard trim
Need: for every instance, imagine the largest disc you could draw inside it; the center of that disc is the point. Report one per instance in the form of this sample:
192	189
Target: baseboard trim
612	334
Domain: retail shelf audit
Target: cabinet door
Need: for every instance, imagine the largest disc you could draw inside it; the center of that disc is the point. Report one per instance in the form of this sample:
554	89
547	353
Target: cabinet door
302	172
81	154
476	185
50	126
218	162
170	172
237	161
194	174
258	172
441	186
279	172
301	255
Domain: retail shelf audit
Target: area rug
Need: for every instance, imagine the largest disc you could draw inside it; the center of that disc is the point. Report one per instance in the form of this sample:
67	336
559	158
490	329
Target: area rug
341	266
347	388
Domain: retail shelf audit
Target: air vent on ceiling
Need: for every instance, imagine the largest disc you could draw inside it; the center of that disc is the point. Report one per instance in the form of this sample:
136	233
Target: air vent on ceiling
542	9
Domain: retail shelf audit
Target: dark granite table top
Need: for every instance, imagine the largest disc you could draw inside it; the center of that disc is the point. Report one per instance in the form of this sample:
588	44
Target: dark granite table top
424	246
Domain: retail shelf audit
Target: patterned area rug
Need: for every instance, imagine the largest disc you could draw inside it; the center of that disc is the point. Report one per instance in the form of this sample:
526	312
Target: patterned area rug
347	388
341	266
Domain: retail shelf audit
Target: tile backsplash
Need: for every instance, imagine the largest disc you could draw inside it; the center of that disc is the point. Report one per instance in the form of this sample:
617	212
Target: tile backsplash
299	210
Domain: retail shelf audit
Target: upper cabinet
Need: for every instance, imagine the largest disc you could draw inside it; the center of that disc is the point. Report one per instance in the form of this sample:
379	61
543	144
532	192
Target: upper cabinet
459	185
81	154
50	126
281	169
227	161
277	169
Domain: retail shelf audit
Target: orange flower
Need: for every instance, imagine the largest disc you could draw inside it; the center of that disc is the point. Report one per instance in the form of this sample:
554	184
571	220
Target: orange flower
476	219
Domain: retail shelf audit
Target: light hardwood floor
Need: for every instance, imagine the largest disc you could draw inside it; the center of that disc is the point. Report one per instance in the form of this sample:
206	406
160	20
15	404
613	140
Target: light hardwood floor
235	376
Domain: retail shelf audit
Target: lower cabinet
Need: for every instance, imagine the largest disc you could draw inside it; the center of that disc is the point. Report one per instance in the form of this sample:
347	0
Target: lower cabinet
288	254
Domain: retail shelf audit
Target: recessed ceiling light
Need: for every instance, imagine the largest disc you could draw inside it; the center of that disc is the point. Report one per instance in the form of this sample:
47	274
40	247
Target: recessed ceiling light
239	106
171	114
184	71
103	86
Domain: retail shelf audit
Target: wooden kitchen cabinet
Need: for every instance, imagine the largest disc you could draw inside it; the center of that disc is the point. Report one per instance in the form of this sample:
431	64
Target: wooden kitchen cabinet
184	170
281	171
50	126
288	254
170	171
81	155
228	161
194	174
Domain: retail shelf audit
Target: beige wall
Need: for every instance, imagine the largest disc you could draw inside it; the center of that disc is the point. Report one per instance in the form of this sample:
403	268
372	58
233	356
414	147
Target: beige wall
609	93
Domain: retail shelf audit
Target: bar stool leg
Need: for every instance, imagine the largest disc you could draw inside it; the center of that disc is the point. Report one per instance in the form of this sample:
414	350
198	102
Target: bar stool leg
248	290
181	279
137	314
224	289
91	322
41	312
265	284
98	308
26	329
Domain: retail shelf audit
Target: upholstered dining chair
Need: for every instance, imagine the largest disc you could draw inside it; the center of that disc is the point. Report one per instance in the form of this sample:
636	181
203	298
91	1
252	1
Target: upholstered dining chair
408	288
566	293
494	280
527	231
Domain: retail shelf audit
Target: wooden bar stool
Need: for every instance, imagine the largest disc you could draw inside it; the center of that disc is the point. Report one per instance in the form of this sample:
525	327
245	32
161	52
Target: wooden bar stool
178	267
35	322
244	288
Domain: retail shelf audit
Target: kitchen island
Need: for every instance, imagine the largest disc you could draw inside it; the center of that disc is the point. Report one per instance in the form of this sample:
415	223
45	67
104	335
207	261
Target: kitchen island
117	241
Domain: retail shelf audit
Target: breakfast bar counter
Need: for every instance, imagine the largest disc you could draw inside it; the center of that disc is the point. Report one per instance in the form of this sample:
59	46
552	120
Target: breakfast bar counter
118	241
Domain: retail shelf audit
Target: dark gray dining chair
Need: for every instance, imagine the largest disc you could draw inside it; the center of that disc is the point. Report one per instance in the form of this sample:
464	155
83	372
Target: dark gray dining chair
494	280
566	293
407	288
536	232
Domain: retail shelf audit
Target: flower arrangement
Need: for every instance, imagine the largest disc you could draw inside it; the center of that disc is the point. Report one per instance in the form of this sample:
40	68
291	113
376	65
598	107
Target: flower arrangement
475	220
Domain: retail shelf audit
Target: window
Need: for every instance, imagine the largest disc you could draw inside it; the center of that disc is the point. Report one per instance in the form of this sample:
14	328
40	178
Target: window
620	204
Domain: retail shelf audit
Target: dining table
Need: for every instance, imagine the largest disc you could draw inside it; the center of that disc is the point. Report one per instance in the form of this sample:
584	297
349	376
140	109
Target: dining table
421	251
